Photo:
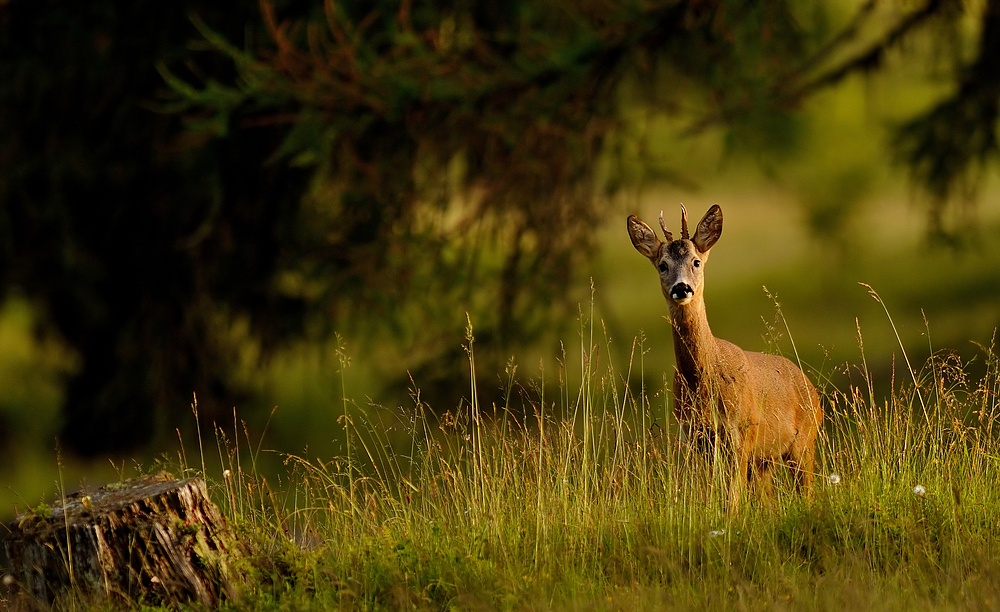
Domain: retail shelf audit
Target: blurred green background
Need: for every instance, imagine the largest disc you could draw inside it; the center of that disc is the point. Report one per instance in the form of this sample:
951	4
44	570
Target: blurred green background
278	206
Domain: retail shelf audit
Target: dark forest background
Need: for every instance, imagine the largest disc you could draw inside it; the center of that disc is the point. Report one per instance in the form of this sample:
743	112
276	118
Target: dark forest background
188	188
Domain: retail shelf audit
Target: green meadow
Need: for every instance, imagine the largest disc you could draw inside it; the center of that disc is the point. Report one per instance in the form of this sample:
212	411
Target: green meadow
577	495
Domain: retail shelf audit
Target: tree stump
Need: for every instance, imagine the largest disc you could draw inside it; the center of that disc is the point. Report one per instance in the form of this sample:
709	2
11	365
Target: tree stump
152	540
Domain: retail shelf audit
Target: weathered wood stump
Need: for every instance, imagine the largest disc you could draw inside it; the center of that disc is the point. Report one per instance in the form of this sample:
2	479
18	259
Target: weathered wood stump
152	539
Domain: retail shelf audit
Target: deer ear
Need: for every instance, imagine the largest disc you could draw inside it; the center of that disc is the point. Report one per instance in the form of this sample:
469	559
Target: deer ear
643	238
709	229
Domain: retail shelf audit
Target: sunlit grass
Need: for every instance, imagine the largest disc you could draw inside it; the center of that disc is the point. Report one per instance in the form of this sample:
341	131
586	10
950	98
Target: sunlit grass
577	495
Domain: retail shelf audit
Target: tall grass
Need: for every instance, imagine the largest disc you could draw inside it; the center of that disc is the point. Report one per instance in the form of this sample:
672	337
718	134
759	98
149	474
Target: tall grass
583	497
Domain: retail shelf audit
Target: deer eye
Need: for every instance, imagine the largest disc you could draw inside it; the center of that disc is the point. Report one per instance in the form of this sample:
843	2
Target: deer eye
662	267
697	263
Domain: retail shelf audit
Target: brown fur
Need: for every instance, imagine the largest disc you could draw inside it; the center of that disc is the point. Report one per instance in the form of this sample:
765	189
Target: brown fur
761	408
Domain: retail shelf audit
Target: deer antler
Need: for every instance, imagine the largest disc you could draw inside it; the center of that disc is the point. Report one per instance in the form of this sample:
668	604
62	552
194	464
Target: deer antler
684	223
663	226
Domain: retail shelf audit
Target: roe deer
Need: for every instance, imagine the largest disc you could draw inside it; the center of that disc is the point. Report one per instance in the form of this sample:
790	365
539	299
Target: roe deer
759	408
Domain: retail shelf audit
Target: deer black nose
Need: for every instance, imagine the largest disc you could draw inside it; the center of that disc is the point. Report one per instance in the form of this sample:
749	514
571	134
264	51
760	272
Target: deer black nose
681	291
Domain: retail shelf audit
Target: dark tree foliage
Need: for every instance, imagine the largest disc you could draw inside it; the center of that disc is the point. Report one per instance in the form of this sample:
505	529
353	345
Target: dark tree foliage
949	147
174	173
133	245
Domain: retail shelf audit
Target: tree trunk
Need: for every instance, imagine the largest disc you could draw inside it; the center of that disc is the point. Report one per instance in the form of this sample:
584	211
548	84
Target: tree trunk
153	540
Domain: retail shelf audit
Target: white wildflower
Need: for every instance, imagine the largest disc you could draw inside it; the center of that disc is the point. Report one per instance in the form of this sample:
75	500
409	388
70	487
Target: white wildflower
834	479
919	490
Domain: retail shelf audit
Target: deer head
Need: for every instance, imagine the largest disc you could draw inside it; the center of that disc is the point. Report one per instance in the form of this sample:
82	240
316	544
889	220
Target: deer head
681	262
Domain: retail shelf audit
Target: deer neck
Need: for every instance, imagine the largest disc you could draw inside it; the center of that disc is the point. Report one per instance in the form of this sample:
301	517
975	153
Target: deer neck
695	348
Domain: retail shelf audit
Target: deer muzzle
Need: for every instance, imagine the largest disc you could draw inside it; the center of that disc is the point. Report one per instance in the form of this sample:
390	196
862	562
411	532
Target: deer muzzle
682	293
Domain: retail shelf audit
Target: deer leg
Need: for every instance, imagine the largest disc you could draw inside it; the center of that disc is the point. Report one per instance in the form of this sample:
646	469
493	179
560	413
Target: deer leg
800	461
694	457
804	472
737	486
763	478
740	455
